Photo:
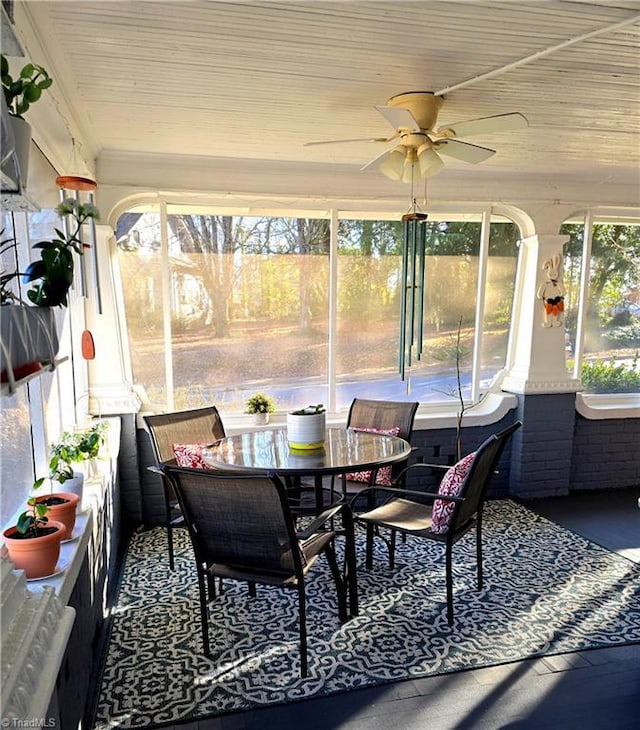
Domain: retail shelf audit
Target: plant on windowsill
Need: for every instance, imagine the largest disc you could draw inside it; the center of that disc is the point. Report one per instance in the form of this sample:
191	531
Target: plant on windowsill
33	543
260	406
80	446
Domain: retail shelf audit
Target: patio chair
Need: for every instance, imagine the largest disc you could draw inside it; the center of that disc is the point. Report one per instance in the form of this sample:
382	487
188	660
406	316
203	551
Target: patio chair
166	430
444	516
242	528
379	416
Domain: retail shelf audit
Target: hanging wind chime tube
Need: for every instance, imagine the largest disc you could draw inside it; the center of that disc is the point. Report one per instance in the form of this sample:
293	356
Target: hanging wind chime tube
77	183
412	297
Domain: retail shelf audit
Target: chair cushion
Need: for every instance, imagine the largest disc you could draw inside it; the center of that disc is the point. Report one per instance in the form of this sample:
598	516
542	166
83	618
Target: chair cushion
451	485
383	477
190	455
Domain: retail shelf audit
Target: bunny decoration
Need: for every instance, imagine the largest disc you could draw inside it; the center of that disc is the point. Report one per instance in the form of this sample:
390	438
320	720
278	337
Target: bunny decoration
552	291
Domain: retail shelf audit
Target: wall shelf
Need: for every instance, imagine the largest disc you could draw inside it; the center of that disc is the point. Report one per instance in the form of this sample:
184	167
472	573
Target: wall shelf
8	389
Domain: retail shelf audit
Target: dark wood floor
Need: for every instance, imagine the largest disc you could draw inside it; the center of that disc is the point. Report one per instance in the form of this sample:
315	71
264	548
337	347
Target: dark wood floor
590	690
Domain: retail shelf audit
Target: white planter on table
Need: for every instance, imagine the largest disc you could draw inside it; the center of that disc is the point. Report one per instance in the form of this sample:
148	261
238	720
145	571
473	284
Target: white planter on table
306	431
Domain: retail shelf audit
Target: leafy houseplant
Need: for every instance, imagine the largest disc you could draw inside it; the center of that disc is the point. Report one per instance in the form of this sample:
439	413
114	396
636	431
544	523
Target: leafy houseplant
26	89
73	448
54	271
260	403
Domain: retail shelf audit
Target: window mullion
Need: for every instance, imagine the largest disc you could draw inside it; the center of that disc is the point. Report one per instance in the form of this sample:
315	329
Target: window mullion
483	258
166	305
333	311
584	293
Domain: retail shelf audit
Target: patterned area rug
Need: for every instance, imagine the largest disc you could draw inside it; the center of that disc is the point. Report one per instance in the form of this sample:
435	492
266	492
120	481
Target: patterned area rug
547	591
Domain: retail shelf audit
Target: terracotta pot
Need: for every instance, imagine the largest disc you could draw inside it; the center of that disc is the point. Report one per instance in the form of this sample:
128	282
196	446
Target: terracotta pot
37	556
65	513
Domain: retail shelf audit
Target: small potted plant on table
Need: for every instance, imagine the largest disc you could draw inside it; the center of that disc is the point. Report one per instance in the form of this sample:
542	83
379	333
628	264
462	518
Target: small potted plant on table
260	406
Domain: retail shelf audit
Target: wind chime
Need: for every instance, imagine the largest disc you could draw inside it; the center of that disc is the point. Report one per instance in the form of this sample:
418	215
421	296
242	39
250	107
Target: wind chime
72	185
414	234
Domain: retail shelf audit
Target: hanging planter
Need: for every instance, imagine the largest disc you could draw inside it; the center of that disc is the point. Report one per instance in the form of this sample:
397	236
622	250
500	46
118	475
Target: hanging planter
28	341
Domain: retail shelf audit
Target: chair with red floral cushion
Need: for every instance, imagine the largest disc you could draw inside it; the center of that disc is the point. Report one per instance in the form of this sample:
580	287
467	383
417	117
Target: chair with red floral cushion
444	516
388	418
181	435
242	528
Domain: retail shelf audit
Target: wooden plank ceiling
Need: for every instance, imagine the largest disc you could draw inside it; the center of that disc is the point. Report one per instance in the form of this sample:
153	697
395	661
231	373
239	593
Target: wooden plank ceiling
254	81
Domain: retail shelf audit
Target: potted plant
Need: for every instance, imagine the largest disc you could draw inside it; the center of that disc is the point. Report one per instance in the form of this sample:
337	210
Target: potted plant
28	335
306	427
260	406
75	447
33	543
20	93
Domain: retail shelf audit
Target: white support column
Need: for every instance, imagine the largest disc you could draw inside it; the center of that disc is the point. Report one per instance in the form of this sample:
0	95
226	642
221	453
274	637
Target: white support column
538	347
110	386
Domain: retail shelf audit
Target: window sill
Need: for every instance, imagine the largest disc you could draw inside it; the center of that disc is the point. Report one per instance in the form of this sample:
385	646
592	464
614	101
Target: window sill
600	406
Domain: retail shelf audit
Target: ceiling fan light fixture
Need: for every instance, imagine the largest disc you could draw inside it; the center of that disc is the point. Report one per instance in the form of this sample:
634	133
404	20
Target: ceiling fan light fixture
393	164
429	162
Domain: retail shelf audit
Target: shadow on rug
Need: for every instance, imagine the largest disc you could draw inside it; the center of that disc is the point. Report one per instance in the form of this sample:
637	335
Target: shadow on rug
547	591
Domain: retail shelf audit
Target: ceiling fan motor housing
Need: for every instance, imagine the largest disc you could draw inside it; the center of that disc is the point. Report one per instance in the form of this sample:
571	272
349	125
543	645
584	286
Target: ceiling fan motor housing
423	105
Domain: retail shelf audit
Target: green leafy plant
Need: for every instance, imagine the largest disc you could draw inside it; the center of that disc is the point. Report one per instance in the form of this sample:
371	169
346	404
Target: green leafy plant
260	403
54	271
607	376
309	410
26	89
75	447
31	522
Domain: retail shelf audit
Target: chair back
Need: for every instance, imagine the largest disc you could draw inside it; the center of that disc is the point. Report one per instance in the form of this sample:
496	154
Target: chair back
237	520
384	415
476	483
197	426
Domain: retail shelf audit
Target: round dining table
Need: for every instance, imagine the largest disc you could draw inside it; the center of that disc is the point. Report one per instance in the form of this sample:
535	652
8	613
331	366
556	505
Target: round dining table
345	450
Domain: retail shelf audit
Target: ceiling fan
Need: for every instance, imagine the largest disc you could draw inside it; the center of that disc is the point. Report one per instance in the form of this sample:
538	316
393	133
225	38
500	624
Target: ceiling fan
417	145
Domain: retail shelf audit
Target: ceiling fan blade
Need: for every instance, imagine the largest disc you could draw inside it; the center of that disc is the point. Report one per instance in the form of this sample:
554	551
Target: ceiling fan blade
377	158
356	139
399	118
486	125
464	151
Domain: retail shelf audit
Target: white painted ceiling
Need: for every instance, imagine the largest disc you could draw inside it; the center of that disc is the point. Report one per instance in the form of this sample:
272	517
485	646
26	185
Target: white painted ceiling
225	94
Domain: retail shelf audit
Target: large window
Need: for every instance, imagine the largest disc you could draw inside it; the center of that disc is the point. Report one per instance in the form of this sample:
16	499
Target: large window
603	319
221	306
36	413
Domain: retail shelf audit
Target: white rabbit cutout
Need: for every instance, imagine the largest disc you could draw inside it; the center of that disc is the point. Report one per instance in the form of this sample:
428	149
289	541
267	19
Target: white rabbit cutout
552	292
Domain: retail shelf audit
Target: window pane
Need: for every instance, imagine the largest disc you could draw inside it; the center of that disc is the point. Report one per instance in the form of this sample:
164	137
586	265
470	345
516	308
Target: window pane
16	463
612	321
501	275
369	273
249	310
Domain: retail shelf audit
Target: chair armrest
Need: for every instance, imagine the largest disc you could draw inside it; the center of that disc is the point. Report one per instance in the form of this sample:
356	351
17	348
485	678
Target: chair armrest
321	520
156	470
430	496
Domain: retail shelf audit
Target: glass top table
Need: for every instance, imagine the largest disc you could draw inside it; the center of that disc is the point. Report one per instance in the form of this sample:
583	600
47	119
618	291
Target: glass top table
344	450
